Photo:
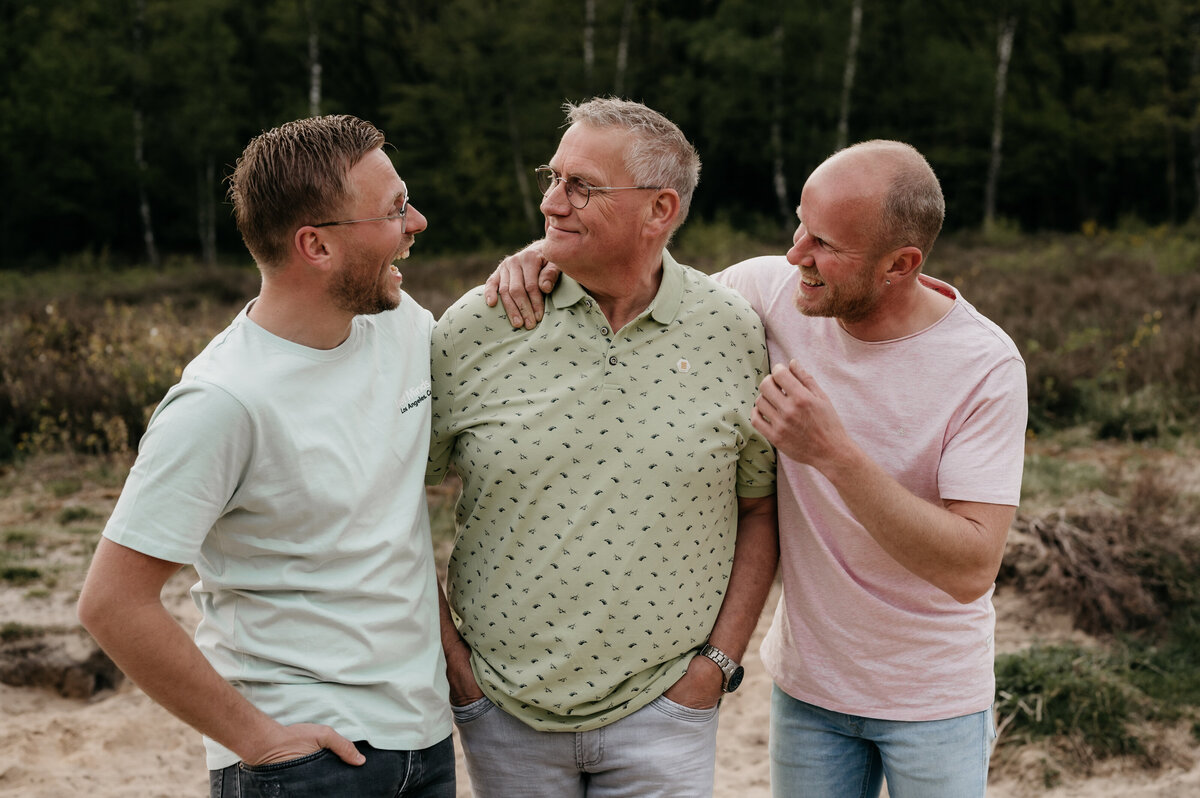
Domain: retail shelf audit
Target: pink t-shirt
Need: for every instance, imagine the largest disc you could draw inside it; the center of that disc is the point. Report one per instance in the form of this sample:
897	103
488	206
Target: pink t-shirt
944	412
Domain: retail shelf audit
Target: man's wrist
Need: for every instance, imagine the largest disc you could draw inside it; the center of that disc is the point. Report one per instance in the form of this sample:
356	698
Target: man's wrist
731	671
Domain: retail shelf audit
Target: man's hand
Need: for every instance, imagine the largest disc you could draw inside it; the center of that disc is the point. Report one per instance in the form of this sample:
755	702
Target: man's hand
796	416
464	689
302	739
700	687
520	282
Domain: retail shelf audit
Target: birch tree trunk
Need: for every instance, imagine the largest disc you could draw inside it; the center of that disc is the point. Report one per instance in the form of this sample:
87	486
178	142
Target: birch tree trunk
589	42
139	141
528	204
1004	44
843	127
314	59
779	178
1196	123
623	48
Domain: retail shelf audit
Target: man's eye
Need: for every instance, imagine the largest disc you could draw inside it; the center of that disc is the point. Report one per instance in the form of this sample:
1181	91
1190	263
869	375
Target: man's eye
582	186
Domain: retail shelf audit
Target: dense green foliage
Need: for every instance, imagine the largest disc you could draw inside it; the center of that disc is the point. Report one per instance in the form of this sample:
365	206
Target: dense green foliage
1101	119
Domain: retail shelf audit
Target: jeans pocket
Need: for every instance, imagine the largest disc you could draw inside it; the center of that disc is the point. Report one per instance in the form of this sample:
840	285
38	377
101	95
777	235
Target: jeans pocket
275	767
677	711
316	775
472	711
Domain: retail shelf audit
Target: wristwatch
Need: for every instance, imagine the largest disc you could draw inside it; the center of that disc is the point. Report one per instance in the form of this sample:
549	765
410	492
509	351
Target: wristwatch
733	672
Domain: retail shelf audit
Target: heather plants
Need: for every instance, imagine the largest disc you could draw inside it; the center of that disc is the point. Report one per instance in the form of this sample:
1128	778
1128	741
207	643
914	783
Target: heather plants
84	360
1108	323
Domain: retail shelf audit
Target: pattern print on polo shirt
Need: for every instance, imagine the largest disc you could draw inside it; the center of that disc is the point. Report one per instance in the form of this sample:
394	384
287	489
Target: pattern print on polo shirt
598	515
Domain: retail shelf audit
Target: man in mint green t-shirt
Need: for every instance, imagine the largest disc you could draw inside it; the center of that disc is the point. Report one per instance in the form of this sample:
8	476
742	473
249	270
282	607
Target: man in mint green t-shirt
617	521
287	465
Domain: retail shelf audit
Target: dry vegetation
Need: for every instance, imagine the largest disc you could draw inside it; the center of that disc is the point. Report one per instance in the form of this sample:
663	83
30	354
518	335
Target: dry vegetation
1107	536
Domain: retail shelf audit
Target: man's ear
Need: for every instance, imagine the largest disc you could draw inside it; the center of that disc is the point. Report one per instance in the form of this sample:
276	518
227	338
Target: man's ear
904	262
313	247
663	212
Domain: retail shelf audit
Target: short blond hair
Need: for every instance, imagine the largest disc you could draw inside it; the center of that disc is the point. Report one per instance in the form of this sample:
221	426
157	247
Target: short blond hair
293	175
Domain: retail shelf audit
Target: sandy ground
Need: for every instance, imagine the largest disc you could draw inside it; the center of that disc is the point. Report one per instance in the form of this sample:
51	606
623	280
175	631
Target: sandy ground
120	743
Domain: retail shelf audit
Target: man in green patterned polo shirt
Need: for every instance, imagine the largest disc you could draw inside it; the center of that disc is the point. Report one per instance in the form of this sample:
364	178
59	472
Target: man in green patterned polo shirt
617	531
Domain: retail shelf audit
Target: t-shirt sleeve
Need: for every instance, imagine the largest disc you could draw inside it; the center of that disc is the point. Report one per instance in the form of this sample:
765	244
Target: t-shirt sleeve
746	279
756	465
190	462
984	457
442	370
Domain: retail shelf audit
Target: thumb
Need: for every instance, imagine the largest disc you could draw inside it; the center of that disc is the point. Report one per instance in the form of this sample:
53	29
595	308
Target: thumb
548	278
491	289
344	749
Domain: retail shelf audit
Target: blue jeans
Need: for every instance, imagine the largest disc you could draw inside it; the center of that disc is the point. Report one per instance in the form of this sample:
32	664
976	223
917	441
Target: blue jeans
663	750
385	774
815	752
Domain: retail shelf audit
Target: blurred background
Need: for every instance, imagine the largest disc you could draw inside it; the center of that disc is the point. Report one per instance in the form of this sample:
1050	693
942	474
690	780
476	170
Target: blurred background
1066	134
120	119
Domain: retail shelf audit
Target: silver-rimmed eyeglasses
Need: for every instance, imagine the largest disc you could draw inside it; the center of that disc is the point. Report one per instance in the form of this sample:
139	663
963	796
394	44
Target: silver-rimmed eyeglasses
399	213
578	191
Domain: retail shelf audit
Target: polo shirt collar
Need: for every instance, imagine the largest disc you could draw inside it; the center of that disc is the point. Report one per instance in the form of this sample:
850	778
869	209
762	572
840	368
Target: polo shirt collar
663	308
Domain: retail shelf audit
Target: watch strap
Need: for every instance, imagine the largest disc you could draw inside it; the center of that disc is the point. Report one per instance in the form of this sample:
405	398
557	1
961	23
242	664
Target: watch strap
724	662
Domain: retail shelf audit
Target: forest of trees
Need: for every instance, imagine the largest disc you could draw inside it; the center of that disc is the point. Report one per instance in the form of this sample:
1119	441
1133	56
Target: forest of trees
120	119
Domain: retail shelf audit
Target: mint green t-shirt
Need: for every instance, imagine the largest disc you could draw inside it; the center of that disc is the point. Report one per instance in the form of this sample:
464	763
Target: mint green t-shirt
293	479
601	471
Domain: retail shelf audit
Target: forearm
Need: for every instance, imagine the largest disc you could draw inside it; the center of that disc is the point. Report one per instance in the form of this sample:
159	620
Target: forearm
756	555
958	555
157	655
463	687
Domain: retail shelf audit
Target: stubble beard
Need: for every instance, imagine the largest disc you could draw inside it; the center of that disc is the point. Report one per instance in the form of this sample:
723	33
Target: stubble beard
357	292
848	303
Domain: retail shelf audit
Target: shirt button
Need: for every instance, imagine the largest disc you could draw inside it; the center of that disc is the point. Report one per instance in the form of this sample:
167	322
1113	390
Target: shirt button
612	361
604	331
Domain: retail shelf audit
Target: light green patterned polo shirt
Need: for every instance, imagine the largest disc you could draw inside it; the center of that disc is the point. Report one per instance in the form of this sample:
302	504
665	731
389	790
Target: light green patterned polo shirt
600	474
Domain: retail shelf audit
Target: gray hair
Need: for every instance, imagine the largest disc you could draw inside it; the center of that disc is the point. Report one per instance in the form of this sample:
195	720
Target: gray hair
913	206
660	155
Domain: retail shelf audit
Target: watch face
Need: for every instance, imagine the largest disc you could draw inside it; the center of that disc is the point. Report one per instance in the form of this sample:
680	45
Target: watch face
735	679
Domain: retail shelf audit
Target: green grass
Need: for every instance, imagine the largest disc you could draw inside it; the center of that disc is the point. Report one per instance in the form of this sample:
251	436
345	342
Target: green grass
77	513
1049	480
19	575
11	631
1068	691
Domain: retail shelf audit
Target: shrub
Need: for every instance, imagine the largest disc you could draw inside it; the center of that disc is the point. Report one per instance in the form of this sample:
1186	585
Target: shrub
1067	692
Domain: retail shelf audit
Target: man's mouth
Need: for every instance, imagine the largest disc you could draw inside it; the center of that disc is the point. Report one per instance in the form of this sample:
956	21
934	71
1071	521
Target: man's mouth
812	280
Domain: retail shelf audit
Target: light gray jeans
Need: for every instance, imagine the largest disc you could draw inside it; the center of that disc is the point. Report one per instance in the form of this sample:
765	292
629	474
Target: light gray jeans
663	750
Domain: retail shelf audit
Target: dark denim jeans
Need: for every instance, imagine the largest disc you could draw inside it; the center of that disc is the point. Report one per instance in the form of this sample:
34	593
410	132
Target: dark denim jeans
386	774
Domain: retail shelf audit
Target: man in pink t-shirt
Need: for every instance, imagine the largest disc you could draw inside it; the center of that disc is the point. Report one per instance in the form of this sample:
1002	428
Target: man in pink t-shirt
898	413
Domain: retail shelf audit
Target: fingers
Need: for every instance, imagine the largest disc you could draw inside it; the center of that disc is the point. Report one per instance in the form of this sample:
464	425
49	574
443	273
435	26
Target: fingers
533	302
548	278
520	283
491	287
511	299
344	749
